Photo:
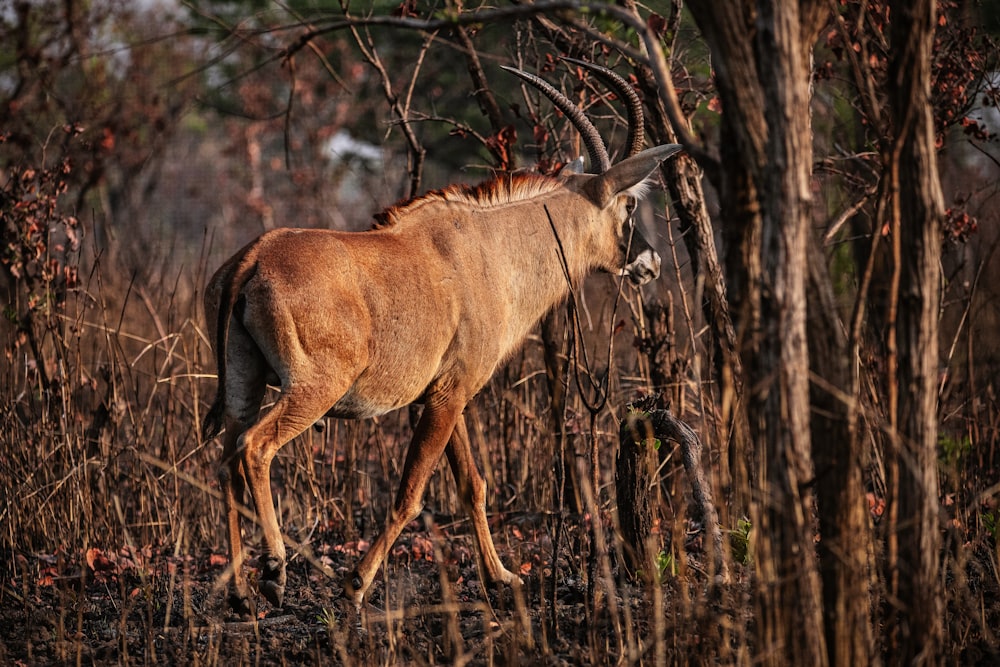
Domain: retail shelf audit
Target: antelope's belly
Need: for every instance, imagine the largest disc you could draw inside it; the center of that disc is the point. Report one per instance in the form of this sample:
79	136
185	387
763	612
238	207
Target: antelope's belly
366	399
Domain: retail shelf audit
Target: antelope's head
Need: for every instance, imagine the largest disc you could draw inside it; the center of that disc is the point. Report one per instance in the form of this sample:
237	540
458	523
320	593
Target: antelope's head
614	190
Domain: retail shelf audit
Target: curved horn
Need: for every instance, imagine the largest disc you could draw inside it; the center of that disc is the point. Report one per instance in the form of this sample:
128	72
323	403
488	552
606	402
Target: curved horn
626	93
595	145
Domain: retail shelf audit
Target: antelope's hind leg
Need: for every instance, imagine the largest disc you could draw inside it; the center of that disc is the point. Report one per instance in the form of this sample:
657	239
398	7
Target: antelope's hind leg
243	394
472	491
298	408
233	486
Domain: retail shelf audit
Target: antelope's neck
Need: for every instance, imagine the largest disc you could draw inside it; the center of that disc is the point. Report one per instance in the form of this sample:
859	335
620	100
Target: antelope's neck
552	258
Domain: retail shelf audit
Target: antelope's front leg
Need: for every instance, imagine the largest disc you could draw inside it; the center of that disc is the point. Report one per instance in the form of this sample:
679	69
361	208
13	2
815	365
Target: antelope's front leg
472	490
429	441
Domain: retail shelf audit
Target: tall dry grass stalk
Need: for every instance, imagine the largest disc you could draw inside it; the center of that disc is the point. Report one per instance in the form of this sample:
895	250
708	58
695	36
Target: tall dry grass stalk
107	462
111	526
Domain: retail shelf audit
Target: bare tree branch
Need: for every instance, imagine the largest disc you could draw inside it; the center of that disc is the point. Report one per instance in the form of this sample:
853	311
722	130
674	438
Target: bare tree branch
562	10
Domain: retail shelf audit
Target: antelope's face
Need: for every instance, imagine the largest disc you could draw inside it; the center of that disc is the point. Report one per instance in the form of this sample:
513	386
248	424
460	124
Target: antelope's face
612	196
639	261
621	248
615	189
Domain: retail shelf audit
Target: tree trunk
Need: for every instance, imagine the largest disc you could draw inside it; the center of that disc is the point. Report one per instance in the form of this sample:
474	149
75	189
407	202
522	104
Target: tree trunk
683	179
788	593
915	622
635	474
761	55
726	29
846	547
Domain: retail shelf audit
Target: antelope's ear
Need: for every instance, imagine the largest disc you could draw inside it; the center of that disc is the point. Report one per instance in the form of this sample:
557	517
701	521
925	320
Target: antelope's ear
573	167
627	174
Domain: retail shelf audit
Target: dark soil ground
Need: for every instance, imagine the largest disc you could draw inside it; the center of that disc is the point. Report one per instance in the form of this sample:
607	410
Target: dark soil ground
151	606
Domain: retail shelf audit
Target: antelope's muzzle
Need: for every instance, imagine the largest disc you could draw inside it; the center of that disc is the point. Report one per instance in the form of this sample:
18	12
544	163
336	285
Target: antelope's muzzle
645	267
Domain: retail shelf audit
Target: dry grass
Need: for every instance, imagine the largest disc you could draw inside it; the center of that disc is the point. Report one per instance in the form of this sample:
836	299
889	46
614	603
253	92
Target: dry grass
112	528
112	541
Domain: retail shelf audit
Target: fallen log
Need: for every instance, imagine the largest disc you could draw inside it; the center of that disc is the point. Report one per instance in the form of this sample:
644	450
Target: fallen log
635	473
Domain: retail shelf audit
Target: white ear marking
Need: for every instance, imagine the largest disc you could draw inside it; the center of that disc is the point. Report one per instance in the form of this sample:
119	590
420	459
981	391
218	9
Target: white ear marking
642	188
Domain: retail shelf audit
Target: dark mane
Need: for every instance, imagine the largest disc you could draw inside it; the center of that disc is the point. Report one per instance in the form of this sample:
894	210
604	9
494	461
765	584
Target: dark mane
496	192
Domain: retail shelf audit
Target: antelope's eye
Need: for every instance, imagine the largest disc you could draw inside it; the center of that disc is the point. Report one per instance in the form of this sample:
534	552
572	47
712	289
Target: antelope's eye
630	205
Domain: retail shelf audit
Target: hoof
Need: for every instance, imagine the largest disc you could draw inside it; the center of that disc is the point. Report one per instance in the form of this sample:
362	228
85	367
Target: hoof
505	578
359	629
272	581
273	592
511	579
352	617
352	589
502	590
241	606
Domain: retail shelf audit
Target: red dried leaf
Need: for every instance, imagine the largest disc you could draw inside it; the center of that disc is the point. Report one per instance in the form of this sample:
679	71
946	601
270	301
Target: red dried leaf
407	8
876	505
99	562
421	548
47	576
657	24
540	134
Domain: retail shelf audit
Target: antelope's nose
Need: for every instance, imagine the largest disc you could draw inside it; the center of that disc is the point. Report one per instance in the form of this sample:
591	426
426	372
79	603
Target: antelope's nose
643	268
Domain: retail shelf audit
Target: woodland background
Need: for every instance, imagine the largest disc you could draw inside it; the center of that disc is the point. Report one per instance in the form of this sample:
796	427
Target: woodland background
827	321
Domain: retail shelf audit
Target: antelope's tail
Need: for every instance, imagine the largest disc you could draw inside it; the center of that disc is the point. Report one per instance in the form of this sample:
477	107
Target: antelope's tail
212	424
234	280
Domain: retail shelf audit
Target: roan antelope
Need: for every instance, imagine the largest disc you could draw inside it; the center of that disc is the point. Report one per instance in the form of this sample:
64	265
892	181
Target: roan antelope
424	309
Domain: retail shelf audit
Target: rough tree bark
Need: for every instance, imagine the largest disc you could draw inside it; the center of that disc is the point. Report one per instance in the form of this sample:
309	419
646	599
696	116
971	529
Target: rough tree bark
914	623
788	596
726	29
683	179
761	55
846	547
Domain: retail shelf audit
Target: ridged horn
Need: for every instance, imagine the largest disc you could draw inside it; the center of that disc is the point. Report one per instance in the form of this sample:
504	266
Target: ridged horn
591	138
626	93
